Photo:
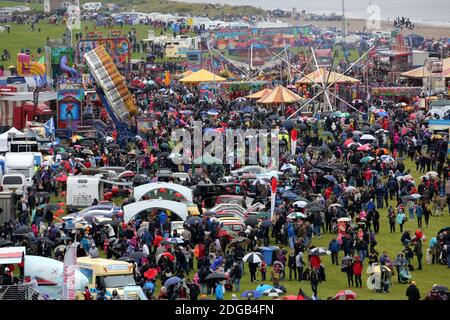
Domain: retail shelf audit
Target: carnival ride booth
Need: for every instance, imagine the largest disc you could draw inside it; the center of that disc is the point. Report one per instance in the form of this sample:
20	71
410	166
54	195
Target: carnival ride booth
236	89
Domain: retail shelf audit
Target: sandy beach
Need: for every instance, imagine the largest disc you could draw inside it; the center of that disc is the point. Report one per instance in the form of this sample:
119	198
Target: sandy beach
427	31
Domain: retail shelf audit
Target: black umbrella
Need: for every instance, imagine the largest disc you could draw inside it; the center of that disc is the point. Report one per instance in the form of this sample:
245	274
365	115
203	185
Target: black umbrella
45	240
126	259
302	126
315	170
6	243
194	220
338	172
444	229
377	126
251	221
53	206
218	276
137	255
266	223
316	209
288	124
313	204
274	117
163	154
22	230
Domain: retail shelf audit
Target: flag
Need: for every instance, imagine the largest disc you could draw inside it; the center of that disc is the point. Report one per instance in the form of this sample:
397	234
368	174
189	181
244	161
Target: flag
273	185
49	127
70	260
294	134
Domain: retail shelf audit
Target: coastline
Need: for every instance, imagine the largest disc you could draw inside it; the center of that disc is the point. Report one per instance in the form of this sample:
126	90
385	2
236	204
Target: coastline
425	30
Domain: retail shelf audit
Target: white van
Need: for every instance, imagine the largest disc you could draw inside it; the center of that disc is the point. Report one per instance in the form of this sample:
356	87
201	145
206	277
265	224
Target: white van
13	182
82	190
21	163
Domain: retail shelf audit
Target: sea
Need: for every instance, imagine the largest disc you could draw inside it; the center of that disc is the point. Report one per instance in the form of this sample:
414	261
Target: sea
430	12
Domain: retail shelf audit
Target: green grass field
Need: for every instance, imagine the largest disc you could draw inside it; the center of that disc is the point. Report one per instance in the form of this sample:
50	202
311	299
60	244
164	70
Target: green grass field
337	280
33	6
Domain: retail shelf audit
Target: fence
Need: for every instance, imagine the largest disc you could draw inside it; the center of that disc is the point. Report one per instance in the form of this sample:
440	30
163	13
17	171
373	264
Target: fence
19	292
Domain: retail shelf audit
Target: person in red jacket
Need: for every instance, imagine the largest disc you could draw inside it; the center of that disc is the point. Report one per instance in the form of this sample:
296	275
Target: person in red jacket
357	271
315	262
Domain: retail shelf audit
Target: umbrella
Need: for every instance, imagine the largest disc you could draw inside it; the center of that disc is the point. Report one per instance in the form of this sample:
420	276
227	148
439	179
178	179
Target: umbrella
315	170
289	195
315	209
302	126
251	221
367	137
22	230
218	276
432	174
288	124
6	243
327	134
127	259
335	205
172	281
273	292
338	172
296	215
175	240
137	255
415	196
165	254
345	295
223	233
239	241
266	223
45	240
350	189
300	204
364	147
346	219
87	151
319	252
253	257
366	159
61	178
263	287
377	269
194	220
251	294
347	258
151	273
262	215
386	158
330	178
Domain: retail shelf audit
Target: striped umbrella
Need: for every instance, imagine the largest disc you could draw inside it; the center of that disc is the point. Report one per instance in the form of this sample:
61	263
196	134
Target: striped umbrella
253	257
273	292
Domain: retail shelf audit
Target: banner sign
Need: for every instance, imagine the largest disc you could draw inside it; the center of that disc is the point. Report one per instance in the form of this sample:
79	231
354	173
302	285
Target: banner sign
70	264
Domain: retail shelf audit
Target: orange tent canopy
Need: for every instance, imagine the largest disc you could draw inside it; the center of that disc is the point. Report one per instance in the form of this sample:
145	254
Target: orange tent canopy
259	94
280	95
